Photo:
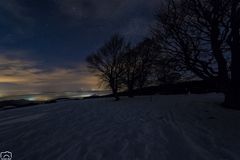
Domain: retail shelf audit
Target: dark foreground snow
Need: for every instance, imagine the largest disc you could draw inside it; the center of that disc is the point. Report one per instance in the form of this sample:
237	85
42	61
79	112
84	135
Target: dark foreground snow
159	128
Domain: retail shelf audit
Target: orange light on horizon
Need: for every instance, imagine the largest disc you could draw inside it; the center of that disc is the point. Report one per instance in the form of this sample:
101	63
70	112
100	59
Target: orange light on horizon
8	79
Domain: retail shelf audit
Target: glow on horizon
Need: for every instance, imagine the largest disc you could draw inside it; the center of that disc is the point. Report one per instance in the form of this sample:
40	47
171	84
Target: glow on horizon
39	98
21	77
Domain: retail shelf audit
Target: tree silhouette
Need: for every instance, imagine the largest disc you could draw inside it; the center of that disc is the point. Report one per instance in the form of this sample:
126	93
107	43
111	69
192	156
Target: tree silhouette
233	96
197	36
165	70
129	78
138	65
194	33
107	63
147	56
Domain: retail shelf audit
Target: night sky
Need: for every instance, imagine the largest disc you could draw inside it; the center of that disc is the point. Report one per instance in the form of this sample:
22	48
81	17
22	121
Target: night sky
44	43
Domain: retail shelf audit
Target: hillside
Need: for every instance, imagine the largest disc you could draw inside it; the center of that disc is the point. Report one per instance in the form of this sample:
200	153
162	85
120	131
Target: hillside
188	127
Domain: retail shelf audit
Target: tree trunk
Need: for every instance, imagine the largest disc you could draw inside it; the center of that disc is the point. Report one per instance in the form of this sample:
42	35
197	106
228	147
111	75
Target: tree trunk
232	99
114	89
223	77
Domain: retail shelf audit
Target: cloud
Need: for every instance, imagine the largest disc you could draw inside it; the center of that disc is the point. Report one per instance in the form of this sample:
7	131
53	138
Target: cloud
104	9
21	76
132	18
90	8
14	10
15	21
137	27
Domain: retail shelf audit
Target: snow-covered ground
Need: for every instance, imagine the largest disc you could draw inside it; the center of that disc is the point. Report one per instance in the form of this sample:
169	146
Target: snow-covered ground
186	127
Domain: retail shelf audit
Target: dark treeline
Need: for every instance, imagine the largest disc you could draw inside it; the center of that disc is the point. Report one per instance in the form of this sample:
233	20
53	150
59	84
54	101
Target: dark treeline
191	39
121	66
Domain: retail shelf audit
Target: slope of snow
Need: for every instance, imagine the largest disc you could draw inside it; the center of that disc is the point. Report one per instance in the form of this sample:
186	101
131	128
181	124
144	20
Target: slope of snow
192	127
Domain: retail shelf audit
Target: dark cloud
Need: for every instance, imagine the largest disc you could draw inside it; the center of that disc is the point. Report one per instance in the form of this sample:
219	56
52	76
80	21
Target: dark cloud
129	17
14	21
104	9
14	11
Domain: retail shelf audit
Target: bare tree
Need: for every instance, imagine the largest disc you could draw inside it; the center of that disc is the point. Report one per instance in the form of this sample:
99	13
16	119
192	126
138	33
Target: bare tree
211	18
138	65
165	70
129	77
194	33
147	56
107	63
